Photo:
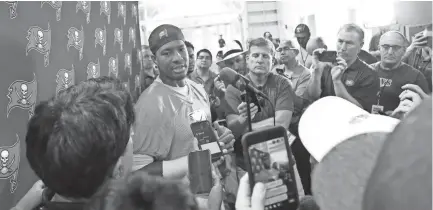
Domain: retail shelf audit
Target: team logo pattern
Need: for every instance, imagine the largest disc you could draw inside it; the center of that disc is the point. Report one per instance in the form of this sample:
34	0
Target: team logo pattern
22	94
65	79
134	12
128	63
57	5
101	39
121	11
12	9
118	38
106	10
86	7
39	40
139	58
93	70
10	163
137	83
76	39
126	85
132	35
113	66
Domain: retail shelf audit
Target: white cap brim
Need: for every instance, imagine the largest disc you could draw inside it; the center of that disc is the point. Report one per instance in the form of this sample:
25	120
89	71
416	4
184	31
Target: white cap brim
331	120
233	55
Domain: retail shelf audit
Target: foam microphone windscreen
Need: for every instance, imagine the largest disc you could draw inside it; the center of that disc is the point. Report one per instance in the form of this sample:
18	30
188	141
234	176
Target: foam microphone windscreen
229	76
308	203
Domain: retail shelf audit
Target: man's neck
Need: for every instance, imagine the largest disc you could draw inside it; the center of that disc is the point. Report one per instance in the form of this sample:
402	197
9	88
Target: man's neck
350	63
291	65
258	79
203	72
391	67
173	83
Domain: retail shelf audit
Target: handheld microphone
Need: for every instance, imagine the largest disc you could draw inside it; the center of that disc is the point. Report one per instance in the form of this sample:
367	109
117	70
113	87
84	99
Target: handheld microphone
230	76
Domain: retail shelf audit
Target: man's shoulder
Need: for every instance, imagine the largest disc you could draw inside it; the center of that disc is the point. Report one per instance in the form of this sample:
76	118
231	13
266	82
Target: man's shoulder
152	99
278	79
409	68
196	87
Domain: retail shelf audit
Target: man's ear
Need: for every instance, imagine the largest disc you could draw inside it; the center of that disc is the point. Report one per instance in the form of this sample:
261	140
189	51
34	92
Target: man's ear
362	44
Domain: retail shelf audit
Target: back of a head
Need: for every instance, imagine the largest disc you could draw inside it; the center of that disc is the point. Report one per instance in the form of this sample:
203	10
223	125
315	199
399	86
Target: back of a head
74	140
142	191
315	43
402	177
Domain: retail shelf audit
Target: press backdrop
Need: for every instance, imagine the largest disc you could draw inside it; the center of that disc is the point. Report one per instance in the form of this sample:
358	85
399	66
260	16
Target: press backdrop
49	46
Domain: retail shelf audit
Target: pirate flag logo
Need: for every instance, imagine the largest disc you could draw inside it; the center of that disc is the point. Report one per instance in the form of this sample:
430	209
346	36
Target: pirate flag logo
139	58
121	11
76	39
22	94
57	5
113	66
10	163
84	6
106	9
132	35
93	70
118	37
134	12
12	9
64	79
137	83
101	39
126	85
39	40
128	63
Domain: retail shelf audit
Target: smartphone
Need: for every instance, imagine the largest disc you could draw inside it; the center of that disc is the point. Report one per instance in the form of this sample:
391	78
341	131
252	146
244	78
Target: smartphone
222	122
207	138
428	34
200	172
328	56
269	160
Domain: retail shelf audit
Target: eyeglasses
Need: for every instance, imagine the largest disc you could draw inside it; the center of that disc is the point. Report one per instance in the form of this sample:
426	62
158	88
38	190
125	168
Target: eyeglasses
394	47
204	58
284	49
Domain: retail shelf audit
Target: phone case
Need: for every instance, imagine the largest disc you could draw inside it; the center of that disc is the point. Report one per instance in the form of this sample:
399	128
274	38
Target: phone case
328	56
204	133
200	172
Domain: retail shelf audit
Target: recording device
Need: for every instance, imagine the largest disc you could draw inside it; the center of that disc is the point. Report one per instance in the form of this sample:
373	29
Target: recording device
200	172
207	139
281	72
269	160
231	77
328	56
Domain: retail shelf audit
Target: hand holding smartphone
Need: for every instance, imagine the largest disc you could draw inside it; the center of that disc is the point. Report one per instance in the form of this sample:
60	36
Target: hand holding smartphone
207	139
328	56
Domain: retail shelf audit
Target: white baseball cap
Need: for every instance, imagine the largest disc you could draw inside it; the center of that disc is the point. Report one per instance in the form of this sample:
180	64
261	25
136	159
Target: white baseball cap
332	120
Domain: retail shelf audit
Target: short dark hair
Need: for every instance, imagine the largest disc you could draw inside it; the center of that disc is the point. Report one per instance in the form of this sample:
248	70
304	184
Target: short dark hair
142	191
262	42
353	27
204	51
189	45
74	141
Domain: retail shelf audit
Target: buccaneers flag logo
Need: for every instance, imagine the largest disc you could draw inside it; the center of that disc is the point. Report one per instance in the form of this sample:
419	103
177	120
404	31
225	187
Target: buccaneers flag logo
139	58
101	39
84	6
132	35
126	85
134	12
113	66
118	37
128	63
12	9
64	79
39	40
121	11
106	9
76	39
93	70
57	5
10	163
22	94
137	83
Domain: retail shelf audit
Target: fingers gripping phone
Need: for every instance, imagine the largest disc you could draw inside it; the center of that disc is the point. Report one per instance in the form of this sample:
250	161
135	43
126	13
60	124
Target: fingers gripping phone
328	56
269	160
207	139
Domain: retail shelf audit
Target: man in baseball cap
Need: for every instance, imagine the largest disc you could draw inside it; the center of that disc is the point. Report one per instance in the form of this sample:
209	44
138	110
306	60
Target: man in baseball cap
302	34
368	160
163	137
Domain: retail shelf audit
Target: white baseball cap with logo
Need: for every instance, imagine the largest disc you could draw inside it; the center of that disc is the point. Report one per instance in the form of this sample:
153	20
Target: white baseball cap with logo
332	120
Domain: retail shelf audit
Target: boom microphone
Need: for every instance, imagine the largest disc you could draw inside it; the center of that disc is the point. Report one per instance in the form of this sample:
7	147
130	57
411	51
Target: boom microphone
230	76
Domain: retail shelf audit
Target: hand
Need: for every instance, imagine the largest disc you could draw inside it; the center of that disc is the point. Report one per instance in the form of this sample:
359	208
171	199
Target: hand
411	96
244	199
337	71
418	41
318	65
219	85
242	109
416	89
226	138
216	194
403	109
32	198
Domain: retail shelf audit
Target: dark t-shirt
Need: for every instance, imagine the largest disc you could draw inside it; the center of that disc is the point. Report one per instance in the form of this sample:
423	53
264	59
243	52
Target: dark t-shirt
278	90
360	80
391	82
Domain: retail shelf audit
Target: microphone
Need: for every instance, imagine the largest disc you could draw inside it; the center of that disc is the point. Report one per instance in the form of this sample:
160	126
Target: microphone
231	77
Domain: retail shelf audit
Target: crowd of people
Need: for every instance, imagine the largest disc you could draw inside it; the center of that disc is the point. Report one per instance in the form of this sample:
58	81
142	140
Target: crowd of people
359	127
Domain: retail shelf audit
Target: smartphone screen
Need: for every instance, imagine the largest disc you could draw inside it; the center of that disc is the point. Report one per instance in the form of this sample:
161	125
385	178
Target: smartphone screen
207	138
270	165
328	56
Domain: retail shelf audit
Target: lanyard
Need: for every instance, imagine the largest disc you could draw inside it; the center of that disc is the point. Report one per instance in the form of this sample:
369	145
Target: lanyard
302	56
387	82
